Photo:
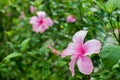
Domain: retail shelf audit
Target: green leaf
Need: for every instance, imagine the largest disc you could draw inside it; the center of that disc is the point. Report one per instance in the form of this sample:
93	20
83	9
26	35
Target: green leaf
100	4
12	55
111	5
110	56
24	44
9	33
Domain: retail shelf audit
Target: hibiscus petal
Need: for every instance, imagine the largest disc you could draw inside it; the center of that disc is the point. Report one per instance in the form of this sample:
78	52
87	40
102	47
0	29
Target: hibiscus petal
70	18
70	50
33	20
72	63
78	37
49	21
85	65
41	28
41	14
35	28
92	46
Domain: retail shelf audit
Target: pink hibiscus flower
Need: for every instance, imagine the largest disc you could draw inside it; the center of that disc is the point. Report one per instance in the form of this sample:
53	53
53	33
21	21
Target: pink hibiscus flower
40	22
79	51
71	19
116	31
22	15
32	9
56	52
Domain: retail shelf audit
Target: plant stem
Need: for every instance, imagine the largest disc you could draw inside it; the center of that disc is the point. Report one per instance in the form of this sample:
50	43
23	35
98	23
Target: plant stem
109	18
88	77
78	16
118	32
78	11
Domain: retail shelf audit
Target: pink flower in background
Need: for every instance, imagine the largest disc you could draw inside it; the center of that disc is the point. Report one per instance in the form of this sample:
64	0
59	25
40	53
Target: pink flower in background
56	52
40	22
116	31
79	52
32	9
8	14
22	15
70	19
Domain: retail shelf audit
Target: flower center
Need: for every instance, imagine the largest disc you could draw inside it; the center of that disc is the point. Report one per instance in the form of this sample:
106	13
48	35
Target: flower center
81	52
41	21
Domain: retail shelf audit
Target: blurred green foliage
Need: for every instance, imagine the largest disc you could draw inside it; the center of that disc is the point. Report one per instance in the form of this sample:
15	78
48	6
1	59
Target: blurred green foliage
24	54
110	55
